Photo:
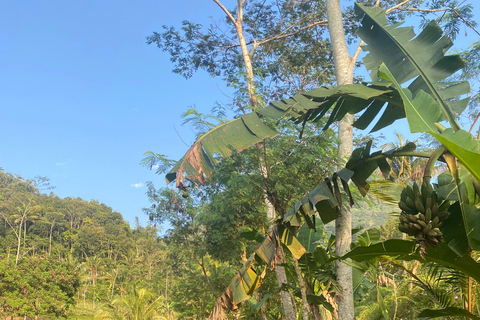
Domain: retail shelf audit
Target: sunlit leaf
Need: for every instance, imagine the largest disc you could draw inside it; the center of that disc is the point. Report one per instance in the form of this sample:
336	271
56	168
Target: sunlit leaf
309	237
420	59
405	250
198	163
289	239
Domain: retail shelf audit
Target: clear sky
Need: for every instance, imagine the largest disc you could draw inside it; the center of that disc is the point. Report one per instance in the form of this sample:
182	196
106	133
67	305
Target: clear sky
82	96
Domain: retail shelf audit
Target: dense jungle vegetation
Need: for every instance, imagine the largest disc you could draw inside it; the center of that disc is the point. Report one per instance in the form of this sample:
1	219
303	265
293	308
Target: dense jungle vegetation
75	256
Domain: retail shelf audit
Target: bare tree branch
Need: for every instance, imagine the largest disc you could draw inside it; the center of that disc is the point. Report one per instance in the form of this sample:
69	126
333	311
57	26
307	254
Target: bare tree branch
397	6
281	36
318	23
465	21
240	10
424	10
357	52
454	10
229	15
474	122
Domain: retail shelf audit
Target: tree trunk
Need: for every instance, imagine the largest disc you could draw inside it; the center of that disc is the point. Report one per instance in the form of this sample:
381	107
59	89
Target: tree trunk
287	303
270	209
343	224
24	233
303	290
113	284
314	308
50	240
248	63
19	242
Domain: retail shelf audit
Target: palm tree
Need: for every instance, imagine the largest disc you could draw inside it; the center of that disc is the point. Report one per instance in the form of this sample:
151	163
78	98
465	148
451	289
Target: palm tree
91	265
141	305
20	210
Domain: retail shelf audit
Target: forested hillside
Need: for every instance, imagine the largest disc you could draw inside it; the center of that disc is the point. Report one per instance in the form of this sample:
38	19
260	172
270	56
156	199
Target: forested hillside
83	250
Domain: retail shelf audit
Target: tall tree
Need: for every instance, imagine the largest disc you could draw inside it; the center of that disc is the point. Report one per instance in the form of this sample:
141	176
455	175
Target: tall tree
343	224
165	42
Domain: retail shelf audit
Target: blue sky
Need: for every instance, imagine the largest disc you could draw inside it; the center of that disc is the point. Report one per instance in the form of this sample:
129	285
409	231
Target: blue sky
82	96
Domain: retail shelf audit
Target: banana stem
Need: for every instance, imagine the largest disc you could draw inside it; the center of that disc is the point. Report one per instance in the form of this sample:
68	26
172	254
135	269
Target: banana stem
427	175
440	127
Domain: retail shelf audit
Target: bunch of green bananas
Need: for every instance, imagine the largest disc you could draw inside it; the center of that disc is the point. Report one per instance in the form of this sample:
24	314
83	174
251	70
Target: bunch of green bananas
422	213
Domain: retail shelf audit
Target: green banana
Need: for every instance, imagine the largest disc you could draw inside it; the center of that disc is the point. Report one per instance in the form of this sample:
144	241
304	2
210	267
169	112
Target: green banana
419	205
412	218
414	226
436	222
428	214
423	224
421	216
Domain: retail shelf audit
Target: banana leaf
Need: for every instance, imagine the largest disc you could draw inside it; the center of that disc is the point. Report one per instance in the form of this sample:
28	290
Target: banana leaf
447	313
464	215
420	60
405	250
199	161
354	98
309	237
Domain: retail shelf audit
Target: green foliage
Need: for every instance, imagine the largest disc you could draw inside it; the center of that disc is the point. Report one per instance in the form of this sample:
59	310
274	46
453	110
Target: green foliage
409	63
140	304
279	31
37	287
213	230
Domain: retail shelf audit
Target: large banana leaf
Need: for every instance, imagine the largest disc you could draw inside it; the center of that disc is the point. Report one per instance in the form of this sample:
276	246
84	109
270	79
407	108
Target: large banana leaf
405	250
248	279
309	237
422	115
461	230
198	163
352	98
420	59
423	112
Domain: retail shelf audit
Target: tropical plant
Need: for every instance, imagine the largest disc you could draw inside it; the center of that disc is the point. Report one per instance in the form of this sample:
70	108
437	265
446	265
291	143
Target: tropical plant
140	304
